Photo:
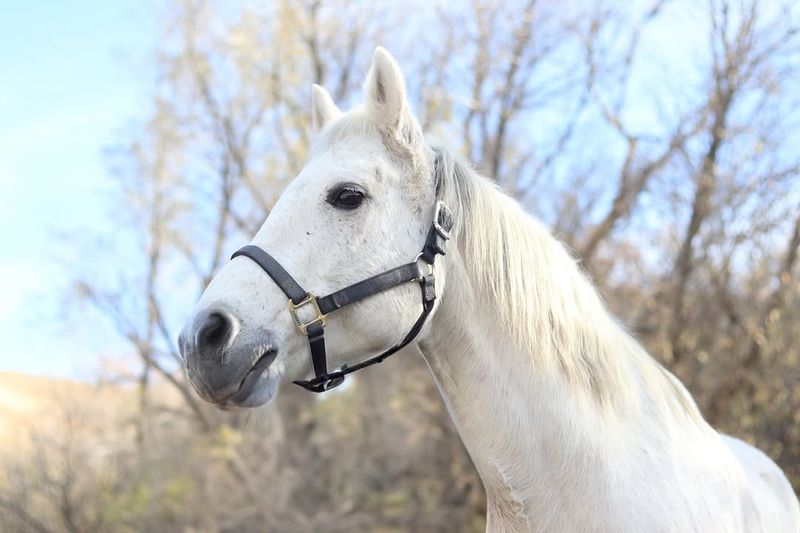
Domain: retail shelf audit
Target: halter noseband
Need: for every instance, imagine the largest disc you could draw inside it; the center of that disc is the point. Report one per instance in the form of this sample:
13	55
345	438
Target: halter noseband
314	329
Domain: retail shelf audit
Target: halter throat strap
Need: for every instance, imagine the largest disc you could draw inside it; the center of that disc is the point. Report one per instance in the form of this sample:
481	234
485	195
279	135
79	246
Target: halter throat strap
314	328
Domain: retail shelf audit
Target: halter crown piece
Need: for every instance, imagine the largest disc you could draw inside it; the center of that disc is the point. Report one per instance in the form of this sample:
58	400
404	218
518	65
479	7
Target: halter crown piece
314	329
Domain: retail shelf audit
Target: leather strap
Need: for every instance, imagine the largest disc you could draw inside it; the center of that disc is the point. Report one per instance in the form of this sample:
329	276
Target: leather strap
268	264
316	340
324	382
369	287
438	234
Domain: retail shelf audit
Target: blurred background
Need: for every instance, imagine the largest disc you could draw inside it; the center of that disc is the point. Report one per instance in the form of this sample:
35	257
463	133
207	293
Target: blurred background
142	143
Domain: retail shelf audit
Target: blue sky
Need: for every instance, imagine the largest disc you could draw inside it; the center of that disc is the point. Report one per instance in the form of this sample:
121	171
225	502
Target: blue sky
72	76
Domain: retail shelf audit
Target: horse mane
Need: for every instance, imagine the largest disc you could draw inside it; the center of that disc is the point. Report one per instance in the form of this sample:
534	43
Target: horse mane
542	299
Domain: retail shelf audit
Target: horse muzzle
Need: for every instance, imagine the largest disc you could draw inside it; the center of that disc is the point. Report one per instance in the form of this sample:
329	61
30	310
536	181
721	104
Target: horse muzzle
225	365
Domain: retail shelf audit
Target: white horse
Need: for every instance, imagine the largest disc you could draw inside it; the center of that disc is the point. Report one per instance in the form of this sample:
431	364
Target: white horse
570	423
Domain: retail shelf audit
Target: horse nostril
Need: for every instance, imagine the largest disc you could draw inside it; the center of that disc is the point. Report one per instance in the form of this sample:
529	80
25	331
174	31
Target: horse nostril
215	330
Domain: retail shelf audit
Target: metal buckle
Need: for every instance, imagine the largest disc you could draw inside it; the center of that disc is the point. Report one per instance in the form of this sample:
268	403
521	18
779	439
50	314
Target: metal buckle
332	383
440	205
430	267
303	326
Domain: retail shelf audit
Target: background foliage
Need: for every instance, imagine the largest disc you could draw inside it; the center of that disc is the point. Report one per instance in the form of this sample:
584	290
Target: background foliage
658	139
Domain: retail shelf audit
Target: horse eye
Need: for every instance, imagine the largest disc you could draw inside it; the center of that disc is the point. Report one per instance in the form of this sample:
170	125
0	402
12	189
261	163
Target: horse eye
347	196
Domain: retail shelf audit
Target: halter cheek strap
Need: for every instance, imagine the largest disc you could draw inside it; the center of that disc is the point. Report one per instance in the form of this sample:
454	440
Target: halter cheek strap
314	329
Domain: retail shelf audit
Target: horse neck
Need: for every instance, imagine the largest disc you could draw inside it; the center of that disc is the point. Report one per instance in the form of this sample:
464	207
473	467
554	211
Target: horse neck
535	400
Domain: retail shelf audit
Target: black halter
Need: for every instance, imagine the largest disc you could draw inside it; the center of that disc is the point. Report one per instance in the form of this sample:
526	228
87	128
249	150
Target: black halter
314	329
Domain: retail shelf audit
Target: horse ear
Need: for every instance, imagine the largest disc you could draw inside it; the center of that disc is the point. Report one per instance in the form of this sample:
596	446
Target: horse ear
385	94
323	110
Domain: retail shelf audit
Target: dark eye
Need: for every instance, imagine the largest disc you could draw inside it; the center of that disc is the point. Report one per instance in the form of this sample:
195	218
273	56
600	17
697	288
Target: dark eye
346	196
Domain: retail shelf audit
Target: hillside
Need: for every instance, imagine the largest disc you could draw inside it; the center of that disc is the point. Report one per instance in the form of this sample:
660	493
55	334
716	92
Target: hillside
31	404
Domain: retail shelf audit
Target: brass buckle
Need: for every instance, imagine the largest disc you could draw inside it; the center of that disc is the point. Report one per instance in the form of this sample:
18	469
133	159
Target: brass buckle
303	326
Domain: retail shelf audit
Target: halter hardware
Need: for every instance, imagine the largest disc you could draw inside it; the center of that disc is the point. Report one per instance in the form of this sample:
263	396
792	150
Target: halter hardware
443	213
303	326
314	329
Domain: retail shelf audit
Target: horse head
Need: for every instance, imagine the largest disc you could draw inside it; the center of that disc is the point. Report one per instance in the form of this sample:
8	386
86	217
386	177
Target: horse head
362	204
